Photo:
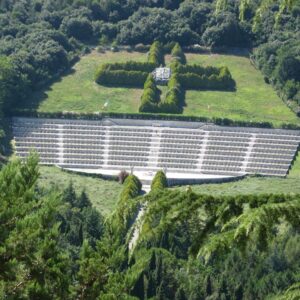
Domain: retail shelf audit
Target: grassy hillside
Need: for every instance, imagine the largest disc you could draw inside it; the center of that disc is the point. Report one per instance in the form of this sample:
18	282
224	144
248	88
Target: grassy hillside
78	92
103	193
253	99
255	185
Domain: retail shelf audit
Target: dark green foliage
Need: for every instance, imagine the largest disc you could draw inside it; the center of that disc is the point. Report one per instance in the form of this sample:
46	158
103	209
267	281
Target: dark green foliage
159	181
79	220
79	28
279	61
156	54
33	264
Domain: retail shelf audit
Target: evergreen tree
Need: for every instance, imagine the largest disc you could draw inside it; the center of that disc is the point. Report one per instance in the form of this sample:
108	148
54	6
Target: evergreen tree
69	194
82	201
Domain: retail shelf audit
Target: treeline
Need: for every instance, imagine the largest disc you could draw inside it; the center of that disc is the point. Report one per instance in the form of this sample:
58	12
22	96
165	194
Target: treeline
279	62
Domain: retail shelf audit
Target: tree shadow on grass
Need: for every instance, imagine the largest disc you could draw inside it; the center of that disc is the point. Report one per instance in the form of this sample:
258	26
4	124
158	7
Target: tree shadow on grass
40	95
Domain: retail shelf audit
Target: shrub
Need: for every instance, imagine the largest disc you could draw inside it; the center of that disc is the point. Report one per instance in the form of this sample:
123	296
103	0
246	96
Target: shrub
121	77
130	73
174	97
156	54
150	97
178	54
132	188
159	181
208	78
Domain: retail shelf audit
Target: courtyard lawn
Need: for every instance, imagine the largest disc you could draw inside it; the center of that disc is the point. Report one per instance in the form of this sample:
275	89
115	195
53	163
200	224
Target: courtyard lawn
77	91
255	185
253	99
103	194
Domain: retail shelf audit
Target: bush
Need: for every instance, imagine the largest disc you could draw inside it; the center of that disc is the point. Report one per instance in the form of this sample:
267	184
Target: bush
130	73
121	77
220	81
132	188
174	97
156	54
150	97
79	28
178	54
159	181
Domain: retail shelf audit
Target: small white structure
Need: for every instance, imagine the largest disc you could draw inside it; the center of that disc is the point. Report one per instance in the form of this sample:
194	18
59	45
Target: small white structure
162	75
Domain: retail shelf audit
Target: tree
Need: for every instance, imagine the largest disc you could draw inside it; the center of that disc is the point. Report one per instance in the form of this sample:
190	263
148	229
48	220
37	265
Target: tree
33	265
69	194
79	28
159	181
83	201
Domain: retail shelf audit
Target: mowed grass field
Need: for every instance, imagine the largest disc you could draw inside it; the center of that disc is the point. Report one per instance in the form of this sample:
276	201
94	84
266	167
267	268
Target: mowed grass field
253	99
104	194
77	91
254	185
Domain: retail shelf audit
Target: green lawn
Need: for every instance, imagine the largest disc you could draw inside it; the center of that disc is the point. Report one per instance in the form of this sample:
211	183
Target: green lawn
253	99
78	92
104	194
255	185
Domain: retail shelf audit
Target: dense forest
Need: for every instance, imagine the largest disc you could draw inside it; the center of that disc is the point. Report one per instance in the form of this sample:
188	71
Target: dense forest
41	39
54	245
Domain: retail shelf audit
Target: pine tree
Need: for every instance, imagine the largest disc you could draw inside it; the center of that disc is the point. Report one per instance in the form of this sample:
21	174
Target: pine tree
83	201
69	194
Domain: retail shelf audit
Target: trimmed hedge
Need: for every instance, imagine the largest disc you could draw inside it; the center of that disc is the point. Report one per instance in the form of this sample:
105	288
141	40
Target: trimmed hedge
130	73
193	81
150	97
174	97
121	78
178	55
156	54
159	181
197	77
130	66
148	116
